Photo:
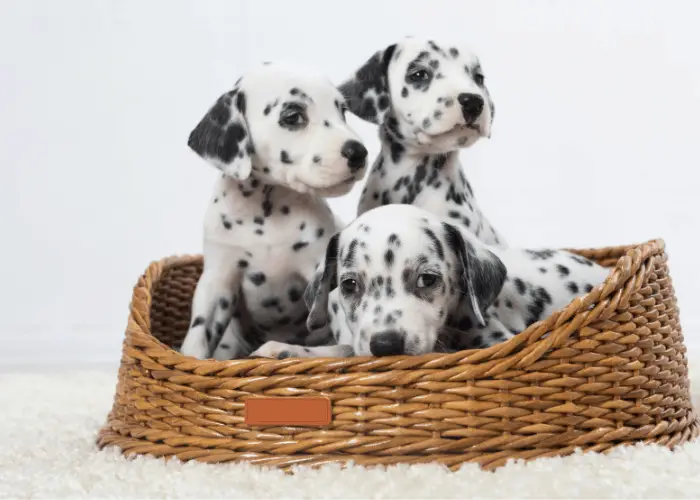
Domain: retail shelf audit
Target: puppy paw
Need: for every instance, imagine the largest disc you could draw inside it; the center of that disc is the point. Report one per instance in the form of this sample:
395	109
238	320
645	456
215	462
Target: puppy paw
278	350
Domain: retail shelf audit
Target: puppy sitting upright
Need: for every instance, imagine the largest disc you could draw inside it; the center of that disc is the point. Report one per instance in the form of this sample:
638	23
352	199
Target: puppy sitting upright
429	100
410	283
281	140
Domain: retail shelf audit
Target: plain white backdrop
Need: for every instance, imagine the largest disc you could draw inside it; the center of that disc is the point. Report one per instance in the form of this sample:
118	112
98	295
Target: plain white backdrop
594	143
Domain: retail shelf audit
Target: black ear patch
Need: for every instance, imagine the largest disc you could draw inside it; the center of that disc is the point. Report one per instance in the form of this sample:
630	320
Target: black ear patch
316	293
482	278
367	91
222	138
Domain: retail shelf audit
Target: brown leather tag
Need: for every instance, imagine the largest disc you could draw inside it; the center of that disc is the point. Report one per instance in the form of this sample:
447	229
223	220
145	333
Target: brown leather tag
311	411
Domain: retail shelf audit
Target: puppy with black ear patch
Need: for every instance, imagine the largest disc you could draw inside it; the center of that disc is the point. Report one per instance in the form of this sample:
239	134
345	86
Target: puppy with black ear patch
281	140
430	100
409	282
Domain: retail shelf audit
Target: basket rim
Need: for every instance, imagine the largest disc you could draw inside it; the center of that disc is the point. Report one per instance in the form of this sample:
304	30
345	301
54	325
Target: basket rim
521	350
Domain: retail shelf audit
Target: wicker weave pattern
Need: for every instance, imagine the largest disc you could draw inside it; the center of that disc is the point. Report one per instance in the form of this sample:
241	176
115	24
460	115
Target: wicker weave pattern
608	369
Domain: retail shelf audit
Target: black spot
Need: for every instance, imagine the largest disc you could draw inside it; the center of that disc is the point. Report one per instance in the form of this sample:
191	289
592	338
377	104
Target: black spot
269	302
326	123
436	243
572	287
258	220
294	295
259	232
320	232
588	287
284	355
509	304
302	226
465	324
394	240
396	151
285	210
224	303
454	52
257	278
520	286
267	207
540	299
225	346
562	270
267	109
316	159
284	157
242	263
389	258
198	321
404	92
240	102
541	254
216	200
334	306
497	335
225	222
581	260
295	91
543	270
300	245
349	259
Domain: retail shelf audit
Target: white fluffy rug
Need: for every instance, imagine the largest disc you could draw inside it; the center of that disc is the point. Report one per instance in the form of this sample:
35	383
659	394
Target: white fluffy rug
48	424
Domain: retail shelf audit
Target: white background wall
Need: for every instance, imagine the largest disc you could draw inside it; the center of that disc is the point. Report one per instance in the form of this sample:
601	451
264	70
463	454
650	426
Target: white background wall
594	143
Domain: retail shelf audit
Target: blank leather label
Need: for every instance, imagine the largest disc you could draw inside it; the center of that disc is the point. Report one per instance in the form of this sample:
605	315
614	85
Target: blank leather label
312	411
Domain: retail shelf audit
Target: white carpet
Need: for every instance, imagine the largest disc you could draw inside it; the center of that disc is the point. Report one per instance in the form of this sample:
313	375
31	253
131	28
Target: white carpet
48	424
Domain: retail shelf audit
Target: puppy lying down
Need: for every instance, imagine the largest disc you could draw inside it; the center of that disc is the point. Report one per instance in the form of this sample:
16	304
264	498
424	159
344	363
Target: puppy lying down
399	280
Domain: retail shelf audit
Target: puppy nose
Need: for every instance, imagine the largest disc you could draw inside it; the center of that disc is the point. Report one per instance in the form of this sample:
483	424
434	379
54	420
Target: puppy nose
388	343
472	105
355	153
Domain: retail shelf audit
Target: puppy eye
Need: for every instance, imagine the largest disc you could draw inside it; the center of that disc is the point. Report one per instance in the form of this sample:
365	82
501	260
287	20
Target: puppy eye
427	280
348	286
419	75
479	79
293	118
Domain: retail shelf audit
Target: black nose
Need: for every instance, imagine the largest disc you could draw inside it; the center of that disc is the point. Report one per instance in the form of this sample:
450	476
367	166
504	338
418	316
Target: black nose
388	343
472	106
355	153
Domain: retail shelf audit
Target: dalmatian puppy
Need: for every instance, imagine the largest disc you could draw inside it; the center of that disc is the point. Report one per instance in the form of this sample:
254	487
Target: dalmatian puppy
429	100
281	140
409	282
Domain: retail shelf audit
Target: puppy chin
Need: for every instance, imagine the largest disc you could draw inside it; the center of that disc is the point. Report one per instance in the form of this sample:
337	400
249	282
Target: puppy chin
315	182
335	191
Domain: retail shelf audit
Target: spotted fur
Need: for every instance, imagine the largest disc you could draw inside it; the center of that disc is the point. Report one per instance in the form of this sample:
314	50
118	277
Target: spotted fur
400	280
281	141
430	100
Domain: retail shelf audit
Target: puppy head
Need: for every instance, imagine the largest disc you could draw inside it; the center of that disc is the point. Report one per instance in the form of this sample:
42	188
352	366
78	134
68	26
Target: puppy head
285	126
430	95
400	273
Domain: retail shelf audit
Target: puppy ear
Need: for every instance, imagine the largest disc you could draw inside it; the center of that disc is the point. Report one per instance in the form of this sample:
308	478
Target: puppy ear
316	294
482	276
222	137
367	91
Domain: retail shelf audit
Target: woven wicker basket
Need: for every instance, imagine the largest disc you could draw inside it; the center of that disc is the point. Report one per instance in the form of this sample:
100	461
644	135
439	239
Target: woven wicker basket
609	369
